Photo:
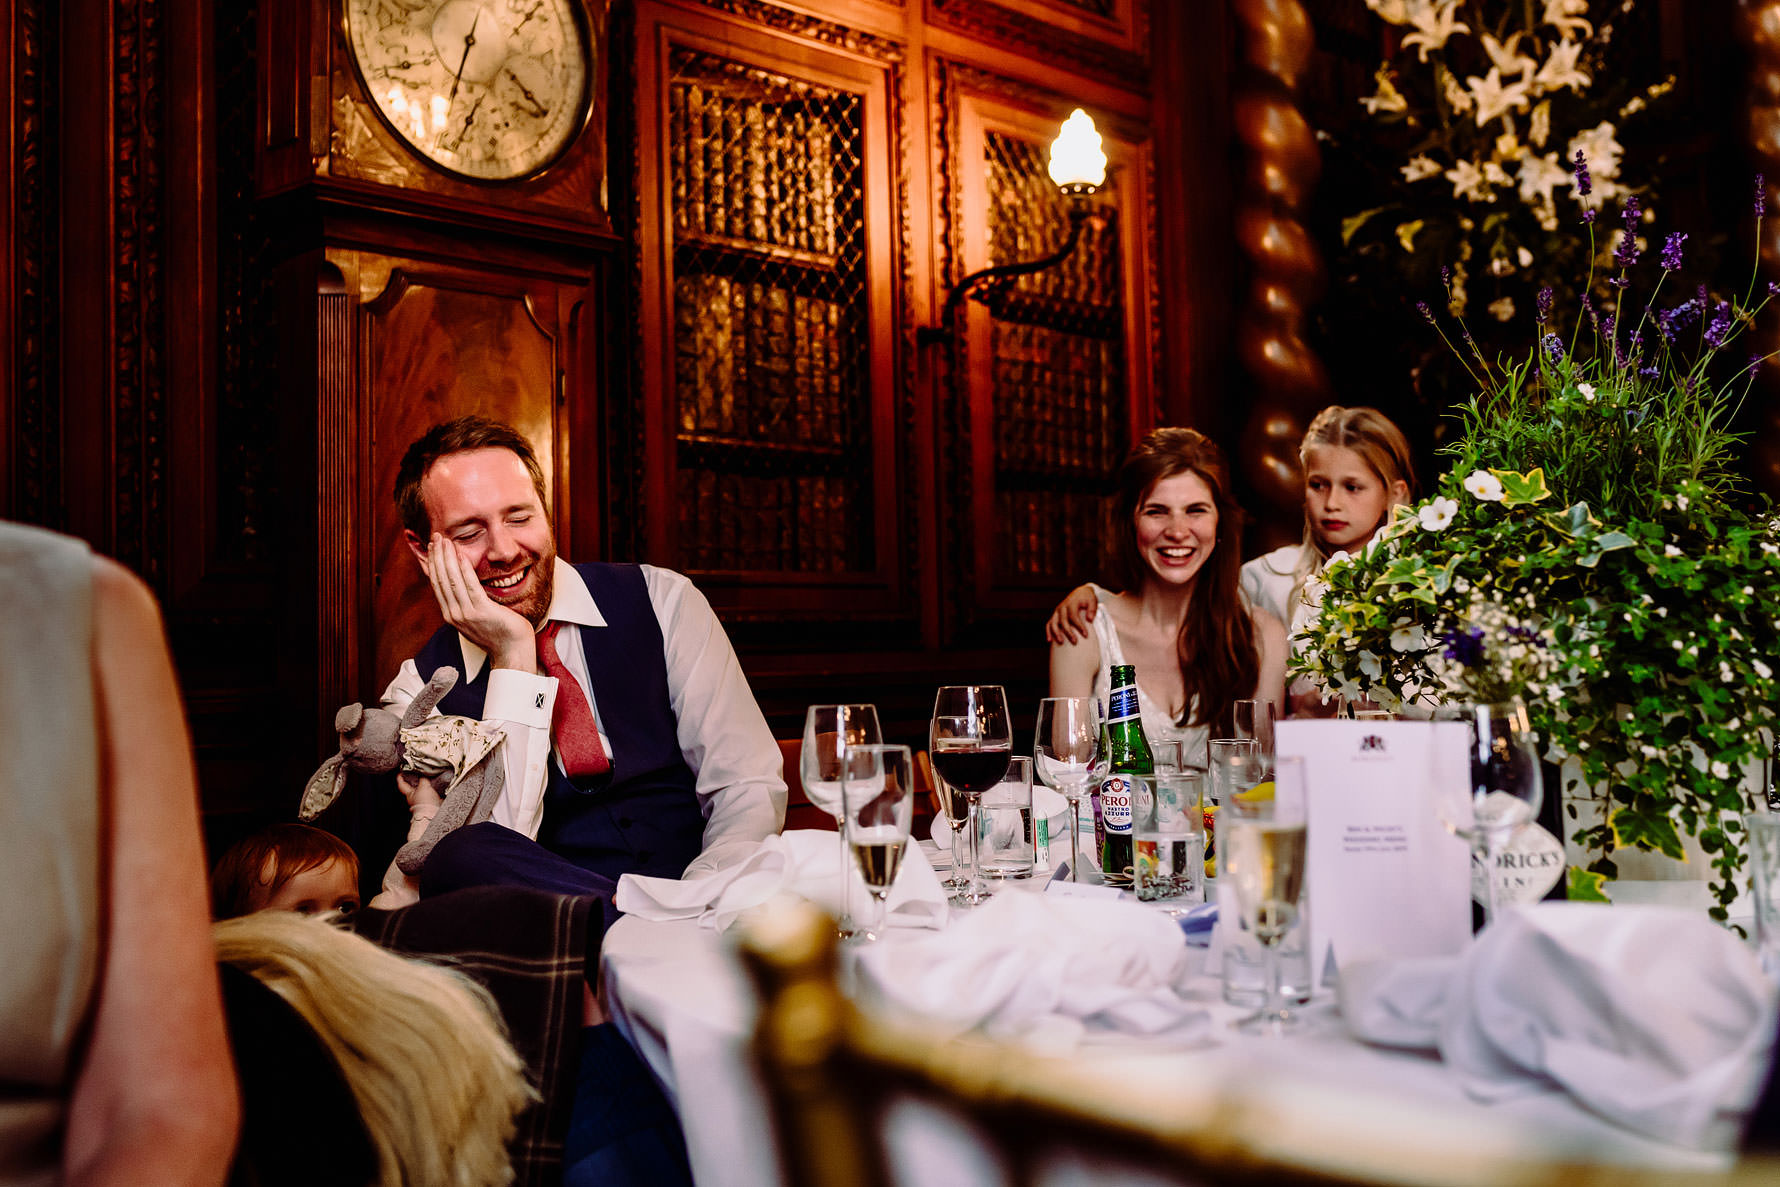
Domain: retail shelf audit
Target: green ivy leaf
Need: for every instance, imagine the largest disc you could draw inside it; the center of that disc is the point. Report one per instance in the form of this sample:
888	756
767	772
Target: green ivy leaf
1647	830
1585	886
1610	541
1520	489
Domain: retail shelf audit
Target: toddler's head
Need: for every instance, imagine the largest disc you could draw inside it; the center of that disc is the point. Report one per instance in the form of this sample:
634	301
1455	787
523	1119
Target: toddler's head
1356	468
287	867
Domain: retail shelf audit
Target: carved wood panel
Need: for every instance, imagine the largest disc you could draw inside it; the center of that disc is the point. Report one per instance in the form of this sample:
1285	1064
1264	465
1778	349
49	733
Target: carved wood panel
1050	383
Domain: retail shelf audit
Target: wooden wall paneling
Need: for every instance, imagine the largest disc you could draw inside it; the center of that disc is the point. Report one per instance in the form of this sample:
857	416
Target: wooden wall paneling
437	342
29	413
826	601
992	601
1104	39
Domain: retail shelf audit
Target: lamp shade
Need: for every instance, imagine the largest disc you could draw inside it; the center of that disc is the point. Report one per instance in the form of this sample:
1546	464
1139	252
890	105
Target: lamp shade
1077	161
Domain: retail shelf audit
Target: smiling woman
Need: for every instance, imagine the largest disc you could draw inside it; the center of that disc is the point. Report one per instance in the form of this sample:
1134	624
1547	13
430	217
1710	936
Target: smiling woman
1196	642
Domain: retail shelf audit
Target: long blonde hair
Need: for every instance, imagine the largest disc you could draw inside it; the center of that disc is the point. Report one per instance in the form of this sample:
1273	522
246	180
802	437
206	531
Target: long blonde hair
422	1047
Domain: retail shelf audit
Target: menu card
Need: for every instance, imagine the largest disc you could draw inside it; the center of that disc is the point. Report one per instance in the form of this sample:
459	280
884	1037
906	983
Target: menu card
1385	874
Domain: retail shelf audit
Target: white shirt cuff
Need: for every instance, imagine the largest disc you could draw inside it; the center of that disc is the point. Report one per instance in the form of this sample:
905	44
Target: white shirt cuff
520	697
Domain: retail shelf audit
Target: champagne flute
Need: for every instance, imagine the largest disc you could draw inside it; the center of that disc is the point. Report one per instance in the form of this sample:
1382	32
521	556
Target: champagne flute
880	808
957	809
1064	750
1264	857
828	732
972	741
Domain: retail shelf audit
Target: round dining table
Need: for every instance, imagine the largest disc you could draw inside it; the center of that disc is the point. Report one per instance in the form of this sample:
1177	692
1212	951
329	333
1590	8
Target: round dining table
678	993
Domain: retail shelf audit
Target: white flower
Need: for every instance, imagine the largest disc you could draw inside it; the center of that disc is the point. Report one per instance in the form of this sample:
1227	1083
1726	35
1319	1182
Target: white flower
1388	97
1494	99
1437	513
1505	57
1539	176
1502	308
1587	390
1560	69
1568	16
1339	557
1433	25
1409	638
1681	502
1649	751
1468	182
1421	166
1671	550
1485	486
1761	669
1524	256
1369	666
1602	152
1457	97
1539	129
1395	12
1721	770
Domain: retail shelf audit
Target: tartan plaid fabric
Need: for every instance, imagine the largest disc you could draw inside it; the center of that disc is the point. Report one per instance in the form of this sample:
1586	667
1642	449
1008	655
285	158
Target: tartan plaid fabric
532	951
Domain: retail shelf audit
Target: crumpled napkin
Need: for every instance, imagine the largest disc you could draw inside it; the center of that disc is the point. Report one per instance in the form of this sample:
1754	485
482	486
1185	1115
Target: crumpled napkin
1653	1017
805	862
1046	970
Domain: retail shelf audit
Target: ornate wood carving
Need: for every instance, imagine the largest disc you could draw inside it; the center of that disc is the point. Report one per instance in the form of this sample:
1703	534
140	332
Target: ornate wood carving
1761	32
1286	271
767	15
1093	47
33	487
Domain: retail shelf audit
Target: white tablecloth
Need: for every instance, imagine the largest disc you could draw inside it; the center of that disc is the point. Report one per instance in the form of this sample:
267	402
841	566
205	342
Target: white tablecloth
676	992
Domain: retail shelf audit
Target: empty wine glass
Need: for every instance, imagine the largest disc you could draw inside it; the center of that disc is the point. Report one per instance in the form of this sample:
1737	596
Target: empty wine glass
828	732
880	809
1507	787
1064	750
971	741
1264	857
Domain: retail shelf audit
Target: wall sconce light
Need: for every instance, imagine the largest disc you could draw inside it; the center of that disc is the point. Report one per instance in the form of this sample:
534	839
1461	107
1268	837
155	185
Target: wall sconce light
1078	166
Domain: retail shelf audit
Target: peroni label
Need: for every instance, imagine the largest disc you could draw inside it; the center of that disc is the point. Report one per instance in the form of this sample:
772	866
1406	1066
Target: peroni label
1116	795
1122	705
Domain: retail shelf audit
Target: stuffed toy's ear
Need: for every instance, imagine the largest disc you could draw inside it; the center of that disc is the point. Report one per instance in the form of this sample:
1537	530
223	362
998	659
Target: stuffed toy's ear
347	719
443	679
324	787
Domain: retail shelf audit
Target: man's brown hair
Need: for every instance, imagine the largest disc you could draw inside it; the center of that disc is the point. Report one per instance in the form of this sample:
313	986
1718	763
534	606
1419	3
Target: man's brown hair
457	436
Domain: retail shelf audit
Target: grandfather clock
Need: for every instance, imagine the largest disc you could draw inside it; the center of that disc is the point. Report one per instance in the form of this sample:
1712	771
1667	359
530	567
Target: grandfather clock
437	173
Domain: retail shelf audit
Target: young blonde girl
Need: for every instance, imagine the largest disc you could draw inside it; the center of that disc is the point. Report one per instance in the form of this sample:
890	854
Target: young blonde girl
1357	469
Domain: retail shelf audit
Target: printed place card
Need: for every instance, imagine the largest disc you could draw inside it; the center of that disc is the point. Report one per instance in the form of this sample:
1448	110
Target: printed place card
1385	875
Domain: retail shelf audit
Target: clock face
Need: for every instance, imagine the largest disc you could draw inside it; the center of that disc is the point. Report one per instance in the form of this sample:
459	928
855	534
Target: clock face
491	89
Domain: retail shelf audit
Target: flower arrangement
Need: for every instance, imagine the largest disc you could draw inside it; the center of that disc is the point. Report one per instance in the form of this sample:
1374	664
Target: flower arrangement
1592	524
1476	116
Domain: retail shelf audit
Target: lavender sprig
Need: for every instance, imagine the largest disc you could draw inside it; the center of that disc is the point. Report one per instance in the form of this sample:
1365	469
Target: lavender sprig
1671	257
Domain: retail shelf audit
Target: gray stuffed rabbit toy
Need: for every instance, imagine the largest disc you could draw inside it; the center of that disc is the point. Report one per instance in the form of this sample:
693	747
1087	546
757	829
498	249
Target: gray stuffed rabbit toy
372	740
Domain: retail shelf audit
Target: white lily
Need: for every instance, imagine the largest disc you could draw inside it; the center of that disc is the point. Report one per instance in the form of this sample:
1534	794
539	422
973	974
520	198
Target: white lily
1420	166
1433	25
1567	16
1387	98
1469	182
1539	176
1560	70
1504	56
1493	98
1502	308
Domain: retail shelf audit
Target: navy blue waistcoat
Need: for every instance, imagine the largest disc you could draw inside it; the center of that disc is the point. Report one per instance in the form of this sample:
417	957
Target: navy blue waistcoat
644	817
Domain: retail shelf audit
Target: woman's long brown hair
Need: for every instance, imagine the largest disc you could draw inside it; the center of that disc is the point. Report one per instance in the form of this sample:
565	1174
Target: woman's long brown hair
1218	660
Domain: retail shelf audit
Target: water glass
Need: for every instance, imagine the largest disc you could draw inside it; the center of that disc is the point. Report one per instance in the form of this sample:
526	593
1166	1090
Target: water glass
1169	845
1764	884
1065	749
1008	843
1263	868
1166	756
878	793
828	732
1255	720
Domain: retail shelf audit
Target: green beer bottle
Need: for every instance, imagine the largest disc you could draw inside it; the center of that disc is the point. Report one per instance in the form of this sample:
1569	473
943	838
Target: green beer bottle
1129	772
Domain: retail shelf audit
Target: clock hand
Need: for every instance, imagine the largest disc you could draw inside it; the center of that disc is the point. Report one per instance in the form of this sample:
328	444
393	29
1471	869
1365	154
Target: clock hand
469	118
457	77
538	109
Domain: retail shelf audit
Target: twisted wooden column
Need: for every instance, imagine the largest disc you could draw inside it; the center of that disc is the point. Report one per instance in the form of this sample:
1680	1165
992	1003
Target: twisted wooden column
1279	170
1761	31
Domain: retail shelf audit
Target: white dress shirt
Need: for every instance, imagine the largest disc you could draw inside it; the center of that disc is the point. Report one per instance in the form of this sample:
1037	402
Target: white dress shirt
723	735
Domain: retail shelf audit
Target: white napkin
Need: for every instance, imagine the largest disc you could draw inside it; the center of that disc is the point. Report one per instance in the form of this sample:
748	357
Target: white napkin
1046	970
1653	1017
806	862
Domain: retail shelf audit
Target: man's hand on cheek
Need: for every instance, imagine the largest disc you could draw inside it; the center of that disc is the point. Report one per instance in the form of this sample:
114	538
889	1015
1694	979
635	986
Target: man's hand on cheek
503	633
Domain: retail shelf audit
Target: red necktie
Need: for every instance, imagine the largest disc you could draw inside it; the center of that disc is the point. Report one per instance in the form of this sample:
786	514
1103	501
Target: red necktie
572	727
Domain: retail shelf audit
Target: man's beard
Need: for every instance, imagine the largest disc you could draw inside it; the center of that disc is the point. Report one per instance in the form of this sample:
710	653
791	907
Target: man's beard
536	604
